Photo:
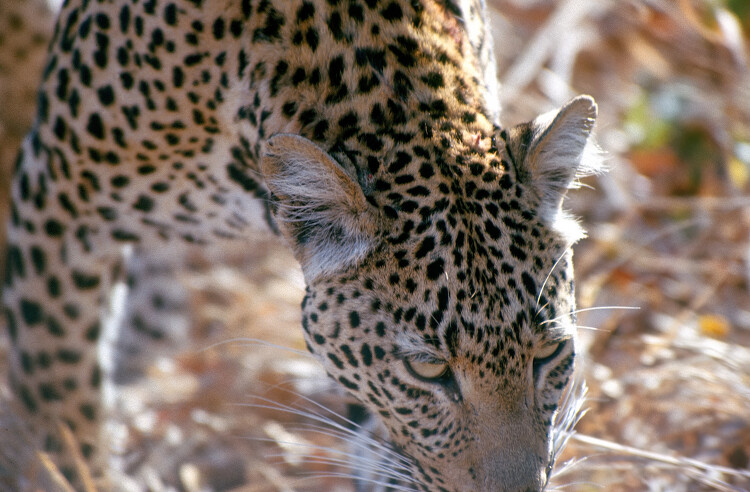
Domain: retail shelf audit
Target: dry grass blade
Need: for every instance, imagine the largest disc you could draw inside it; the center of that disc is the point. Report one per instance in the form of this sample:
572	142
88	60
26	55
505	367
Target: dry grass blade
537	51
703	471
82	468
55	475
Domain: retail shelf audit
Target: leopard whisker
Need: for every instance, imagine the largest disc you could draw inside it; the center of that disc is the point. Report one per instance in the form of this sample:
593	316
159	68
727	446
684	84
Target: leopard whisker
372	481
544	284
571	412
348	433
591	328
310	458
257	341
313	458
361	434
584	310
381	471
567	485
339	458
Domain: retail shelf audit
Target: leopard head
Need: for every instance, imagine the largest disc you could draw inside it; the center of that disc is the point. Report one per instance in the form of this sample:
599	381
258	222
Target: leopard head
444	301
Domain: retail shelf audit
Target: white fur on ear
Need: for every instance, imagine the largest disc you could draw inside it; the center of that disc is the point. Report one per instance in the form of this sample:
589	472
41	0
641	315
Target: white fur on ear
558	153
321	209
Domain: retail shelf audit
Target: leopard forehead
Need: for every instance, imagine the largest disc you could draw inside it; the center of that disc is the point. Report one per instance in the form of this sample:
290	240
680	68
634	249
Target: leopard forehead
468	280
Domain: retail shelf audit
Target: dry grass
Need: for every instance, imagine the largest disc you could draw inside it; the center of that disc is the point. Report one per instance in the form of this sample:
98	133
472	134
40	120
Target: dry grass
669	232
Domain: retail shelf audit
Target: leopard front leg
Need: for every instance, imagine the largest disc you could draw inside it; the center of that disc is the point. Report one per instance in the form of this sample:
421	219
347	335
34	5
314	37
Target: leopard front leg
57	284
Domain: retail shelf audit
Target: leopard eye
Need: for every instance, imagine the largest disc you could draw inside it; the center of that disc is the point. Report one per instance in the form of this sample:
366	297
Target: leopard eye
547	354
428	371
547	351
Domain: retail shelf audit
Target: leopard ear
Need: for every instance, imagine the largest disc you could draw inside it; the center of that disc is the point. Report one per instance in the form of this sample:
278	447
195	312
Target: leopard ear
321	210
553	151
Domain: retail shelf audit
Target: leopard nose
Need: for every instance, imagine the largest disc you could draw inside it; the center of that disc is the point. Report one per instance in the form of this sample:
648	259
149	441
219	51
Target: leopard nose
514	471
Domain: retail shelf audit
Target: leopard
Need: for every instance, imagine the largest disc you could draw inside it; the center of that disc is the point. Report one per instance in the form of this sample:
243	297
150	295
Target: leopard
433	241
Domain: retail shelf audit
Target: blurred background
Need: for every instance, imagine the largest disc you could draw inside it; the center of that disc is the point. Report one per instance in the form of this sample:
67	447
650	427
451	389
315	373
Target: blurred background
662	277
